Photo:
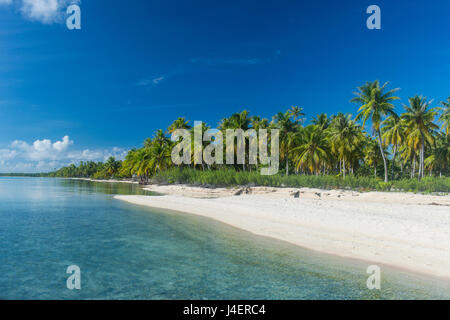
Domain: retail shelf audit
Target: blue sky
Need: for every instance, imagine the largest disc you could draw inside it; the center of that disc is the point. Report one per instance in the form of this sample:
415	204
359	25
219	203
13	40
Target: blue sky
71	95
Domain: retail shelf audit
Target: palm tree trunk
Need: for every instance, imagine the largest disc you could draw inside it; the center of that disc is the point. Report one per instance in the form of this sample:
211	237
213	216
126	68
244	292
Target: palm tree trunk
383	156
422	155
393	162
343	165
287	165
413	169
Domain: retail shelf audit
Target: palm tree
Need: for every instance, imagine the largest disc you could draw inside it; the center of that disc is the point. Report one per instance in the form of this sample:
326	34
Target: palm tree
344	135
322	120
180	123
372	154
440	155
296	113
375	104
128	163
313	150
112	166
445	116
236	121
419	122
160	156
288	131
142	165
258	123
394	134
204	127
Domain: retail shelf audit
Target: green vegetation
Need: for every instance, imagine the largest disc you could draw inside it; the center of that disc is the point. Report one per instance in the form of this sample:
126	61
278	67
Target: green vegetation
230	177
409	151
33	175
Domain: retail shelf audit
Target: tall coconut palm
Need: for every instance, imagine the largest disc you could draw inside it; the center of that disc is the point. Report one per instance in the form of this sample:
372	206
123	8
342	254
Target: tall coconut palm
239	120
322	120
112	166
142	167
344	135
376	103
409	150
160	156
372	154
419	122
129	163
180	123
288	134
440	154
259	123
296	113
445	116
393	134
202	144
313	151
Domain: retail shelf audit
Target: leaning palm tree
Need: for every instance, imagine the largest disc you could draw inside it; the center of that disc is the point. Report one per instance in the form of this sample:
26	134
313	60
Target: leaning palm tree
419	122
445	116
376	103
393	134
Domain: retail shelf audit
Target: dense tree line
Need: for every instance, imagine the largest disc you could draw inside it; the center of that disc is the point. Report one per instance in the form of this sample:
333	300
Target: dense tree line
413	144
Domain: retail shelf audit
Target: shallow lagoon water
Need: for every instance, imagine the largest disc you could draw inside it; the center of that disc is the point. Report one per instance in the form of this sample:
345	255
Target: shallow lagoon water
126	251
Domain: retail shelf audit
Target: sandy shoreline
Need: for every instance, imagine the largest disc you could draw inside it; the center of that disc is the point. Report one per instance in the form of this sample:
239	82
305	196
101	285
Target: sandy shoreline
403	230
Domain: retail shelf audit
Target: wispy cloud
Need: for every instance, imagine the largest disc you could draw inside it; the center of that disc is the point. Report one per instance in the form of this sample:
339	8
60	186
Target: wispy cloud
150	81
230	60
236	60
44	155
158	80
197	63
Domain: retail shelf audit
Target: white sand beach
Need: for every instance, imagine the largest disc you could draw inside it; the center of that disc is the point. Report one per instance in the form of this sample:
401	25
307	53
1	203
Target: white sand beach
403	230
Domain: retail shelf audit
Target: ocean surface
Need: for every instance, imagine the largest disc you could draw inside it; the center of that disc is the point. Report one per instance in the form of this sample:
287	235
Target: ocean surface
130	252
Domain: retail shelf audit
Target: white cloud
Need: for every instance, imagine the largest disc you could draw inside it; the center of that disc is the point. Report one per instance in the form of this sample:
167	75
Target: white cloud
45	11
42	149
45	155
63	144
7	154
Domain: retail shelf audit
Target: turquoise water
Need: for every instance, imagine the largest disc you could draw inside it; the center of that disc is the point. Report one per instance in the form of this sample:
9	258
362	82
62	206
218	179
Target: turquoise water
130	252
